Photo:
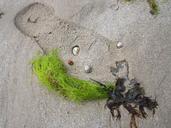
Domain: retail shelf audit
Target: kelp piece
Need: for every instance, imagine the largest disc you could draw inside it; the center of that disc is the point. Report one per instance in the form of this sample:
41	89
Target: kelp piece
133	100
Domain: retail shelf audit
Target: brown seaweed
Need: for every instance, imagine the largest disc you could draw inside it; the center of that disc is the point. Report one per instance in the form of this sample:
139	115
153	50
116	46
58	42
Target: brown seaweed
133	100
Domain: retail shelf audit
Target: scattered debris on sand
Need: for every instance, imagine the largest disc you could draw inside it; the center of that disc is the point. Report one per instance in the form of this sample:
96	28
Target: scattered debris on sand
152	4
87	68
133	100
121	70
1	14
119	45
70	62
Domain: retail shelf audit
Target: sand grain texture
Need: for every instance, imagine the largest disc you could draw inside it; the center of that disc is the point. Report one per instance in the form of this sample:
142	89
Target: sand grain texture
147	48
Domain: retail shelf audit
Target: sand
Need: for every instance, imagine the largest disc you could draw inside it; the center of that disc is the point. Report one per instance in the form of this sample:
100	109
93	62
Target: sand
96	26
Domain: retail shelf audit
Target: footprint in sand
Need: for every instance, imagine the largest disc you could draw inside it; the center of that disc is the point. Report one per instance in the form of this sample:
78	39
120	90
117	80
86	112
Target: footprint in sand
39	22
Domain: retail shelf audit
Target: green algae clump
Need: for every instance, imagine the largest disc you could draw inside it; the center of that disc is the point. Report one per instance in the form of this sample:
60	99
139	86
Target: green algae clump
154	7
52	73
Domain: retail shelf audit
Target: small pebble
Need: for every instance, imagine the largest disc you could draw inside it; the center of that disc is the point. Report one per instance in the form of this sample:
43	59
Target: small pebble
87	69
119	45
75	50
70	62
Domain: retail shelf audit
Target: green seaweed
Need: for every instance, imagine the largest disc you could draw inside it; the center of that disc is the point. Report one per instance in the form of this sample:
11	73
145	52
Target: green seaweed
52	73
154	7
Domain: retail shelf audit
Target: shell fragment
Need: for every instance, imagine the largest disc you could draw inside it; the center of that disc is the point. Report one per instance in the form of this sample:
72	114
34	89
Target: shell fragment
75	50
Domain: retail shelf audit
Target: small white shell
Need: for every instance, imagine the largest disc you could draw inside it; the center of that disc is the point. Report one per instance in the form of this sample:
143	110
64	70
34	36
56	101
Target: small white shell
119	45
75	50
87	69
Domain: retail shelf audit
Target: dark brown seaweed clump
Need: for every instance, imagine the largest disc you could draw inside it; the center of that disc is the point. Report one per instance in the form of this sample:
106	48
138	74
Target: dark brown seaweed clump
133	100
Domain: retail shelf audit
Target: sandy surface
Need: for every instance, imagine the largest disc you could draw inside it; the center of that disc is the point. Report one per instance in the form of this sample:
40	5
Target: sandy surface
147	48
